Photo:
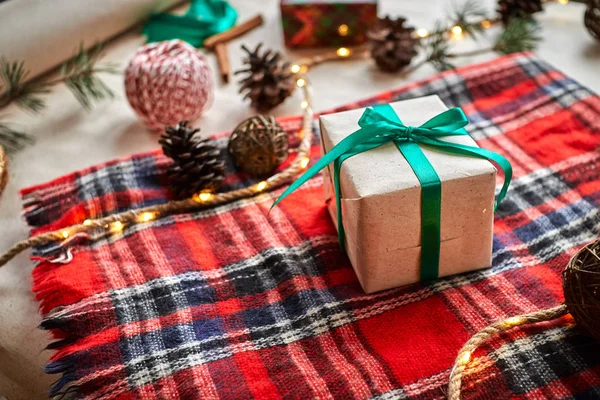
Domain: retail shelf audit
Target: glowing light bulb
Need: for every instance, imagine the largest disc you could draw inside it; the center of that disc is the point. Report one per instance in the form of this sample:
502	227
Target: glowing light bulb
147	216
116	226
513	321
485	24
301	82
87	222
295	68
304	162
65	233
563	2
457	31
205	196
343	30
261	186
422	33
465	358
343	52
304	104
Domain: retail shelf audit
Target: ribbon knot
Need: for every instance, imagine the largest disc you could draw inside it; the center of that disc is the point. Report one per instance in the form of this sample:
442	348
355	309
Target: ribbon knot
380	125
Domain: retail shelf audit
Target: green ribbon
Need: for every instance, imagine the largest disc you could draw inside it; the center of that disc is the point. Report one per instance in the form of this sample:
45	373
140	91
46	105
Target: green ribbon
380	125
204	19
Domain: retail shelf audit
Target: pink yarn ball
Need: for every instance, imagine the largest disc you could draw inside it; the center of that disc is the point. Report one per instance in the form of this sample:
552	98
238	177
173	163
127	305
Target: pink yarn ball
168	82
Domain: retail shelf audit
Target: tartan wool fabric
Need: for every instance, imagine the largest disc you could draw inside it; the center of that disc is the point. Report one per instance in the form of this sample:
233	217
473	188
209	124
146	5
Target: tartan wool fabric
233	302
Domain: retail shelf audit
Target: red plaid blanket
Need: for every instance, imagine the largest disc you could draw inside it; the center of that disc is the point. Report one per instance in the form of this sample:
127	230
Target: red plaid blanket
231	302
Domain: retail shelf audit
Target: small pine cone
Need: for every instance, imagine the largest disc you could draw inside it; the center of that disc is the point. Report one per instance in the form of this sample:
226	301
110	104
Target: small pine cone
268	81
393	45
197	164
518	9
592	18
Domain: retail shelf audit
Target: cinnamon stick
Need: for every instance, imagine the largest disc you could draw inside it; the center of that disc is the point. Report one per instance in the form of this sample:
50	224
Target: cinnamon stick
223	61
234	32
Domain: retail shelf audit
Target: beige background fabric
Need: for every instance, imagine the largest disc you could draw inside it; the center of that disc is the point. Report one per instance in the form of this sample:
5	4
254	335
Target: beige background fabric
69	138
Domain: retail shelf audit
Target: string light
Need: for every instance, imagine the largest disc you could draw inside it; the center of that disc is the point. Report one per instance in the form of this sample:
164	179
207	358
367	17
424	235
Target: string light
304	162
343	30
65	233
422	33
456	31
147	216
513	321
205	196
301	82
465	358
295	68
116	226
343	52
563	2
304	104
485	24
260	186
87	222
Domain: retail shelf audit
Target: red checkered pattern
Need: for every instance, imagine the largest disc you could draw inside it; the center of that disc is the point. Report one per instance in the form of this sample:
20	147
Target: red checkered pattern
234	302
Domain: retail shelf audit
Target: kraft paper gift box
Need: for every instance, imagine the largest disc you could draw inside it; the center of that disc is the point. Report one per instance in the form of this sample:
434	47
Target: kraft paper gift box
381	202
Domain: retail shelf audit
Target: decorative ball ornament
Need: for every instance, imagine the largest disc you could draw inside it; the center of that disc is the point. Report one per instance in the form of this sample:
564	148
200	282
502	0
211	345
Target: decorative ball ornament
518	9
197	165
168	82
258	145
581	285
392	44
592	18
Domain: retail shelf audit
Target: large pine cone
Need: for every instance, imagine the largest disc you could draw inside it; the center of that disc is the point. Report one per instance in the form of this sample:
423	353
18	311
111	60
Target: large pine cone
393	45
197	164
592	18
518	9
269	80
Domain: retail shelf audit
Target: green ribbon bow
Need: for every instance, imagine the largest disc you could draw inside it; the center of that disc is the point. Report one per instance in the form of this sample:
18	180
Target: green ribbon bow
204	19
380	125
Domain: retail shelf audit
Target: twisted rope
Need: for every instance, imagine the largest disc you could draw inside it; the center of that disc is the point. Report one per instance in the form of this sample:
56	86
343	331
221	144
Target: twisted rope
181	206
464	355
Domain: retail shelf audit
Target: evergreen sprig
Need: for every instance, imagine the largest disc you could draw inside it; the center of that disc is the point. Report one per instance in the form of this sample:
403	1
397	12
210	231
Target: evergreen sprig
469	16
519	35
79	74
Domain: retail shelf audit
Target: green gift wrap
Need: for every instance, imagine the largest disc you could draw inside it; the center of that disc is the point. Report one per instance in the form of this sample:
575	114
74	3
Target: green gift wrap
410	192
326	23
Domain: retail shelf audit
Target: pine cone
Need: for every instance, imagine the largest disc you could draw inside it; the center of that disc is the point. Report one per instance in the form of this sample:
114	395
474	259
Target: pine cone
518	9
196	164
592	18
392	44
269	80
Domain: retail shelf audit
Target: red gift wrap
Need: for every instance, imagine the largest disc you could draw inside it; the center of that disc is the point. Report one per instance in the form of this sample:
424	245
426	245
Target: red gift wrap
325	23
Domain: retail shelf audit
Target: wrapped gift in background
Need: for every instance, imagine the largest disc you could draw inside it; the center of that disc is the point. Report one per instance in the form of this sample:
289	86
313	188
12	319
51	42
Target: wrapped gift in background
322	23
381	202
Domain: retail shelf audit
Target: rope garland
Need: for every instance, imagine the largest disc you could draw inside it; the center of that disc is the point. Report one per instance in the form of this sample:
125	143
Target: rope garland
197	202
465	353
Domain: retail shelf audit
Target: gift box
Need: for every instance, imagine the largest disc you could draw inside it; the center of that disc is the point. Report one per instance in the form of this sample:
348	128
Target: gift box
323	23
382	208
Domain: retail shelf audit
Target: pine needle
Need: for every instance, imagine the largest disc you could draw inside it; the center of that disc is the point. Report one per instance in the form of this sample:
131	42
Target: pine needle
79	74
468	16
519	35
13	87
437	48
13	140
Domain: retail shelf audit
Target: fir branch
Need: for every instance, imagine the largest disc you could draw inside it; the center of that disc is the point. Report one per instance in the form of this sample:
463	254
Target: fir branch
469	17
13	140
437	48
79	75
519	35
13	87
